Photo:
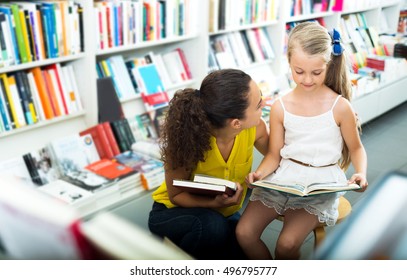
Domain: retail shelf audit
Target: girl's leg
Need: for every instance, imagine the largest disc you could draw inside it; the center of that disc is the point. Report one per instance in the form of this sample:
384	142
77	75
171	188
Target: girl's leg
254	220
201	232
298	224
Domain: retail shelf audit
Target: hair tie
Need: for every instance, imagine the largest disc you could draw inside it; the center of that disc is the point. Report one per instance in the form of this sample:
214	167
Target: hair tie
337	48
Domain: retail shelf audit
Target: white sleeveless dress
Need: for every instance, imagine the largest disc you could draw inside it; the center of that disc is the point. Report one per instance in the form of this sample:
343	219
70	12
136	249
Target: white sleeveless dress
313	140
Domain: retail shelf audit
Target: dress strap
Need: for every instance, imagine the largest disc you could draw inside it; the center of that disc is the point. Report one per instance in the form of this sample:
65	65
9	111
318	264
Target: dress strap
282	104
336	101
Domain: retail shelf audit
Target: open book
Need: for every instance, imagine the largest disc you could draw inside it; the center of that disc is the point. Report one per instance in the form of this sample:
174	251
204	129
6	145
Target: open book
206	185
312	189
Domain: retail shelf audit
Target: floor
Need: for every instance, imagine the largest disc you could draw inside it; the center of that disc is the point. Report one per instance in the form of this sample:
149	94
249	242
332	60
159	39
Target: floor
384	139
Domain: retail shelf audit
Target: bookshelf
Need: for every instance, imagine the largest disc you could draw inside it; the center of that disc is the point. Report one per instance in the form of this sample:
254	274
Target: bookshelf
196	46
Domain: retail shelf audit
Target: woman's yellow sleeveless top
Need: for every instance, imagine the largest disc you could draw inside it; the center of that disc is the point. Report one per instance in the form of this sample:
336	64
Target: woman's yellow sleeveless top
235	169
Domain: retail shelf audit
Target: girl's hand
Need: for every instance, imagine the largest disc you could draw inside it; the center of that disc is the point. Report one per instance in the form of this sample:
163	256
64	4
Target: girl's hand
360	179
252	177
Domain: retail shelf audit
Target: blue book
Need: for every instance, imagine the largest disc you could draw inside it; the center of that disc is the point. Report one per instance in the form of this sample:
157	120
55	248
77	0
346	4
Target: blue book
50	23
116	25
151	79
7	12
46	32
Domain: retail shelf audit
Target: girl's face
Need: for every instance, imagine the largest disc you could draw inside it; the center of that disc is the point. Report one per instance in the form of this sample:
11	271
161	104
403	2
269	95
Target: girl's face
256	103
308	71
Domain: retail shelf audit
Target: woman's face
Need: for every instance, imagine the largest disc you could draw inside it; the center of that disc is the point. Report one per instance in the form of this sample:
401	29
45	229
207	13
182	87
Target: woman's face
256	103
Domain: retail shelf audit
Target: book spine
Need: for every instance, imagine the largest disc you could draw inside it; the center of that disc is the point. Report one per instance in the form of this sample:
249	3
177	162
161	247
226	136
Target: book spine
43	93
51	92
19	33
105	141
119	135
26	38
7	104
128	132
3	108
14	99
110	136
25	104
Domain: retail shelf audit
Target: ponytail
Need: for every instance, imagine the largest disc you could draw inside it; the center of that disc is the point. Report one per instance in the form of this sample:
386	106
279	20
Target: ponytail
185	131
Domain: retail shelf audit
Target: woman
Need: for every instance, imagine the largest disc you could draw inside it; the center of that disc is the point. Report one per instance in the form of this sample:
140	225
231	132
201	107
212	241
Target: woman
209	131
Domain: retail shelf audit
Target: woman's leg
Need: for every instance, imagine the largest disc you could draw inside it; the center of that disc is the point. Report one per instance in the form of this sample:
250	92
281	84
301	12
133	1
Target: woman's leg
201	232
254	220
298	224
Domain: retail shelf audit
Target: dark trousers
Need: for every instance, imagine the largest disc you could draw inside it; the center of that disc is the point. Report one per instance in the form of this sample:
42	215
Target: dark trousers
203	233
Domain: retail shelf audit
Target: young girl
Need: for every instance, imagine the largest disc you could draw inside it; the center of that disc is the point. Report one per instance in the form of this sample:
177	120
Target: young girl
313	138
210	131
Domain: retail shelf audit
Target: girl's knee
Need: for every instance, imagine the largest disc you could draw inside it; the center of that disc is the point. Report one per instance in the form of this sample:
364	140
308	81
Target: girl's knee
287	247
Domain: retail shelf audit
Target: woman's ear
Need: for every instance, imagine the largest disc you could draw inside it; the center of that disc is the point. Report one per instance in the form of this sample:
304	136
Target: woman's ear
236	124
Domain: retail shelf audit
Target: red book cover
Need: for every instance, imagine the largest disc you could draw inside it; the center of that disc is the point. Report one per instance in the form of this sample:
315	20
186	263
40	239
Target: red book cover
101	141
111	138
109	169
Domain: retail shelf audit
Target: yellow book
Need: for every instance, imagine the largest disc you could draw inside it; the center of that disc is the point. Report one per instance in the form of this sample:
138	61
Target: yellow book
11	100
25	36
106	68
32	111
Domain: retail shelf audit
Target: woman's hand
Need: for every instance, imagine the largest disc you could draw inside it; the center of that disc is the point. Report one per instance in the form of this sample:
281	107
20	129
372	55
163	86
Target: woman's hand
360	179
224	200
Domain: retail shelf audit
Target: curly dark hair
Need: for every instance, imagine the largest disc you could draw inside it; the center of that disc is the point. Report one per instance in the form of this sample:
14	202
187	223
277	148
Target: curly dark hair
193	114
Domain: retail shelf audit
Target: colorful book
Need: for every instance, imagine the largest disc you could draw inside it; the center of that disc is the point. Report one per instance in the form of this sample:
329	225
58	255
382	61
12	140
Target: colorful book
43	93
19	33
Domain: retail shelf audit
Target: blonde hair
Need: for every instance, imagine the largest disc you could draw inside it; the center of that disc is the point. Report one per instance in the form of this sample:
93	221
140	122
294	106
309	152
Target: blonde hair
314	39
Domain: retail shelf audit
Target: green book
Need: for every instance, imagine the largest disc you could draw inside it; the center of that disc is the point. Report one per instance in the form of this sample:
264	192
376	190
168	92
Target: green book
19	33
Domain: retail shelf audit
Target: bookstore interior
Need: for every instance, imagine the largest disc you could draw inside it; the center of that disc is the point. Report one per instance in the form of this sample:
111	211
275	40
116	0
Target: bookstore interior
84	86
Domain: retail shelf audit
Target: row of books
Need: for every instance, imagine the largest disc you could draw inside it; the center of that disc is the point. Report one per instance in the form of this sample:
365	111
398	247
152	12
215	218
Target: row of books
39	94
307	7
350	5
378	70
123	23
149	76
32	31
240	49
228	14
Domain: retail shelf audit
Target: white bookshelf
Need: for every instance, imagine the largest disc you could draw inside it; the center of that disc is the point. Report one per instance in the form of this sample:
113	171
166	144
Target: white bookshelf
195	45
